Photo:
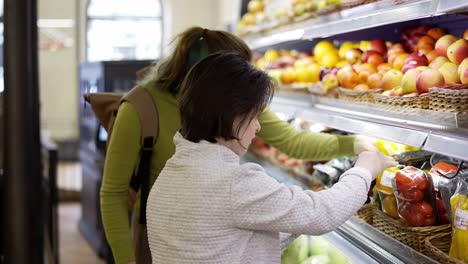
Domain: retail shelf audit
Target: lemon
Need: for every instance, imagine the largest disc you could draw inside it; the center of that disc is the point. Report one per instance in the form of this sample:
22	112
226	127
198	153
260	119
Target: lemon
330	59
347	45
322	48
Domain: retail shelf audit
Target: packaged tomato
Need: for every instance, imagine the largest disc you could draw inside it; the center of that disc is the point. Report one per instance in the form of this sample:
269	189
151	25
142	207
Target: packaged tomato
384	189
416	201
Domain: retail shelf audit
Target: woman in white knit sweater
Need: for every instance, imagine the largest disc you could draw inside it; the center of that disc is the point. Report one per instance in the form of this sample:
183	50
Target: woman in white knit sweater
206	207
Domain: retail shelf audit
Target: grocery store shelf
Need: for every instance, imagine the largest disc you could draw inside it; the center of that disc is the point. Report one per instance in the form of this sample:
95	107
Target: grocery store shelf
369	127
454	144
445	133
383	12
368	16
452	5
380	246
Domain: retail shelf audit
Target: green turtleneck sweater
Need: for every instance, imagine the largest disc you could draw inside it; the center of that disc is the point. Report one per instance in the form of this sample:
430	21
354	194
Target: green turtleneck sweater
124	151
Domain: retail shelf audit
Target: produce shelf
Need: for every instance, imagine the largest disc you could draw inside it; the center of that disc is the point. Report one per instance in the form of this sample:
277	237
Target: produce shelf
366	16
445	133
451	5
374	246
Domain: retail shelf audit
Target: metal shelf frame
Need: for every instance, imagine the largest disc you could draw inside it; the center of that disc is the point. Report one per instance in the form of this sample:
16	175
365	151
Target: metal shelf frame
443	139
383	12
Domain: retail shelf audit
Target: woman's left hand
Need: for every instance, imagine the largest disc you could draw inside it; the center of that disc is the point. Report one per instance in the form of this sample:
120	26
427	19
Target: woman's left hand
362	144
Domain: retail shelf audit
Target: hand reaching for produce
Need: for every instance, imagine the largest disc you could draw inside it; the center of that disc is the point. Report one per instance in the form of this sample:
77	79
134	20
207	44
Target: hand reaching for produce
362	144
374	162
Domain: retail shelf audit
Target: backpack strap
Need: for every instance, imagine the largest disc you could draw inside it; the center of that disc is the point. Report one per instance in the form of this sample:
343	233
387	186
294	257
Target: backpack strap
147	111
142	101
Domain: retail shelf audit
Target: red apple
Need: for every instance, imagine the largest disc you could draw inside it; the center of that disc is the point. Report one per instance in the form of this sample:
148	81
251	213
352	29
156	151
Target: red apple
464	76
458	51
443	43
391	79
378	45
436	32
417	58
449	71
429	78
367	54
438	62
353	55
408	67
408	82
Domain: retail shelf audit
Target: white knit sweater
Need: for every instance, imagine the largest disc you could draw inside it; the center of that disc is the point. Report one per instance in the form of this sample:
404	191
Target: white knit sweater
207	208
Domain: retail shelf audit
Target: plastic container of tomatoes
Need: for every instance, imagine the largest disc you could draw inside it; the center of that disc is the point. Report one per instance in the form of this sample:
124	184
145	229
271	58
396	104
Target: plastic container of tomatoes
414	192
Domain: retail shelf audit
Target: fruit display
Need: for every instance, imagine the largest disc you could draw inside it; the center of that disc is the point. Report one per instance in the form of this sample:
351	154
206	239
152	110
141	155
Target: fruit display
266	14
426	57
415	197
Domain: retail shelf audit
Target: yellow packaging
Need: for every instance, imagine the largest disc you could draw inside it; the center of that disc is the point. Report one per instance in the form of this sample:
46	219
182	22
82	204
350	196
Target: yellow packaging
390	148
384	188
459	205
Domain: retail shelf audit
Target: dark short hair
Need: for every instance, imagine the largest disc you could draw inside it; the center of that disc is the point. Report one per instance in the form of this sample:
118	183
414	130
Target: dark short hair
217	90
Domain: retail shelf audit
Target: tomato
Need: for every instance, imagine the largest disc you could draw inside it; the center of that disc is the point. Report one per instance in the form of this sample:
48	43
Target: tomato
415	219
410	177
403	182
422	185
430	221
423	208
444	219
413	195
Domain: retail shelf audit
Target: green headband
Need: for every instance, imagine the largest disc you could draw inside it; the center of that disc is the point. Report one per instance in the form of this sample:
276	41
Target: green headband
197	51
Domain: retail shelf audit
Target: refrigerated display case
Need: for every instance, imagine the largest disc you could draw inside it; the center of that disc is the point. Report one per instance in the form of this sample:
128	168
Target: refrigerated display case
438	132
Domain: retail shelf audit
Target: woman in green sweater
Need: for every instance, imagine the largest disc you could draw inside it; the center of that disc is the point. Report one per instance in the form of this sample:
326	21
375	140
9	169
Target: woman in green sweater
162	82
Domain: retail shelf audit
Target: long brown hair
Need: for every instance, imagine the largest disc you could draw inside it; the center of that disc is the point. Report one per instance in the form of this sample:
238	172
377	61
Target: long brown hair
191	46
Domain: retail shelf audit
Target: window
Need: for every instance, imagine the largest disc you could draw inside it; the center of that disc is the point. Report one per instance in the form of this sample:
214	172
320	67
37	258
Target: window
122	29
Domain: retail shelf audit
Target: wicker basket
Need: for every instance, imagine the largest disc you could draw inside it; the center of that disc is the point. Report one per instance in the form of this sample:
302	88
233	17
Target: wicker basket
357	96
450	99
438	246
365	213
317	90
295	87
411	236
420	102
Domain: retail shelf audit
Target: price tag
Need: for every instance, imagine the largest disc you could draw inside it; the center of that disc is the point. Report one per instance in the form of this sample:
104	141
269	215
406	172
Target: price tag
387	178
461	219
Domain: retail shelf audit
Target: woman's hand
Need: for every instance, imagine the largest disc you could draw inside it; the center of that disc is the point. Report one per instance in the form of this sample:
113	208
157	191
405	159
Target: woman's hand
362	144
131	262
374	162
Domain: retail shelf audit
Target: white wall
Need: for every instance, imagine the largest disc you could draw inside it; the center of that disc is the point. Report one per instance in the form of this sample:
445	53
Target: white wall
58	69
182	14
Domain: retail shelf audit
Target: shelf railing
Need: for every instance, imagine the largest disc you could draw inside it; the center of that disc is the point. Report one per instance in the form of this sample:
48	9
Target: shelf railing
445	133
